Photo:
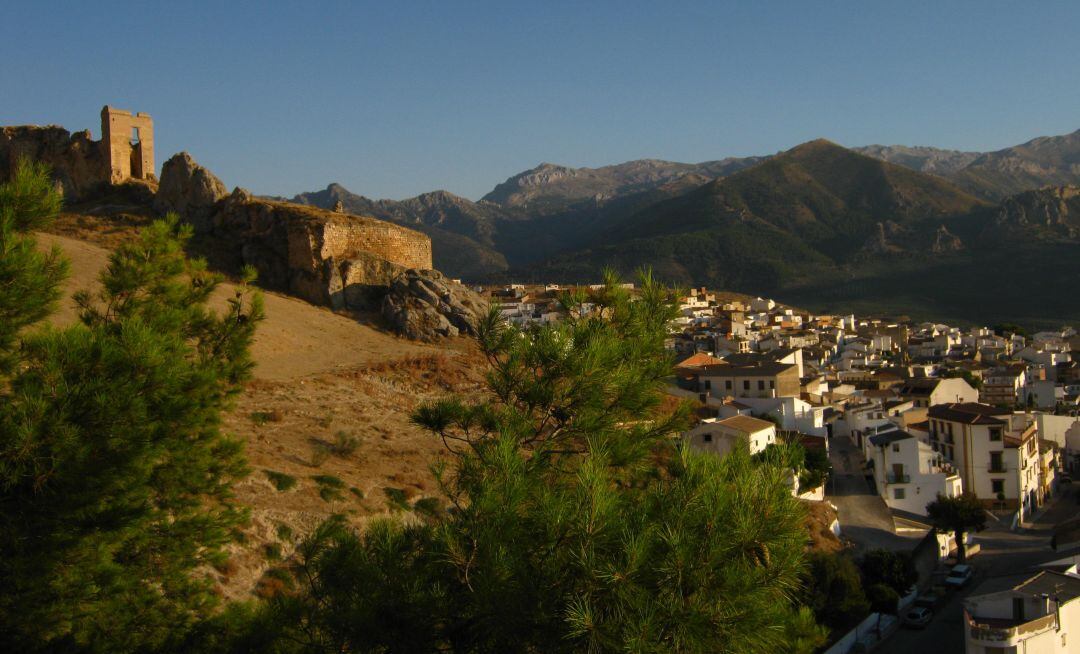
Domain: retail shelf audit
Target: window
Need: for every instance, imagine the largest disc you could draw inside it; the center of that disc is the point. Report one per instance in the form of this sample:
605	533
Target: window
771	385
997	486
995	433
746	384
761	385
995	462
706	438
727	384
898	493
708	384
896	447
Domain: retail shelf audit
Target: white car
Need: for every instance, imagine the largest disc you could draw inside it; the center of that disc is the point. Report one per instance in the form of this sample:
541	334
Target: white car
918	617
959	575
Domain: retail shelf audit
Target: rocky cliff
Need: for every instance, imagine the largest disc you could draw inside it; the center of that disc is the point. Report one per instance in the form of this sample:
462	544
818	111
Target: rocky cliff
1050	211
189	190
326	257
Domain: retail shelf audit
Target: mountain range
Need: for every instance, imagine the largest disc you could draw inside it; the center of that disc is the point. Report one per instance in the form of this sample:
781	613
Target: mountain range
819	224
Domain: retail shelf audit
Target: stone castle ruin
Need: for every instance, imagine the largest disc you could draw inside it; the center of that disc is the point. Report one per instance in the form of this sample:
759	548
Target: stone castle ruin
80	165
325	257
128	144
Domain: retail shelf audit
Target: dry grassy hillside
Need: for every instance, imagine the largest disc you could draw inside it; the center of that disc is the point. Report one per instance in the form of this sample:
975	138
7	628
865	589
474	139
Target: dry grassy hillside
330	400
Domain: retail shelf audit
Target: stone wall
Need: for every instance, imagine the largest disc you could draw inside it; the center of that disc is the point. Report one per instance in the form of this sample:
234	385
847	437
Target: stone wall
126	158
81	165
77	162
327	258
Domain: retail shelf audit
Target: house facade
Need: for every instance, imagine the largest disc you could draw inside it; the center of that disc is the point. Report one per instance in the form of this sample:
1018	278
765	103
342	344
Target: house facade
761	380
994	450
1041	614
722	435
908	473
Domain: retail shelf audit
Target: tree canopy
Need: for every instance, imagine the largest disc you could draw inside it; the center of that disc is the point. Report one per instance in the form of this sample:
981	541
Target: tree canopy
115	477
959	515
576	523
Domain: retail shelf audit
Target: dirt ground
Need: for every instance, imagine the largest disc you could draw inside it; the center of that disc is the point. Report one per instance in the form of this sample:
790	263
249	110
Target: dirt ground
331	398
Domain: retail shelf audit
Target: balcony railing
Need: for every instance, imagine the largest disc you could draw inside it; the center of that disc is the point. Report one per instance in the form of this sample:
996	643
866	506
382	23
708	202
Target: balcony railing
894	478
997	467
1000	633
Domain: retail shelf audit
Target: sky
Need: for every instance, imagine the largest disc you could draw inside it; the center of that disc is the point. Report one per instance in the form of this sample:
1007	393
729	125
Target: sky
392	99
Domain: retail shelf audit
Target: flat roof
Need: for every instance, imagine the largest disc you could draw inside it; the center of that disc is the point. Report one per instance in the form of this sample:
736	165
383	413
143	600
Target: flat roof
746	424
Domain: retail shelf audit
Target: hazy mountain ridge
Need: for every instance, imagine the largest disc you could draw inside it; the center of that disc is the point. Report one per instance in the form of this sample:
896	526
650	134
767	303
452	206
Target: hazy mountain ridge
550	187
1042	161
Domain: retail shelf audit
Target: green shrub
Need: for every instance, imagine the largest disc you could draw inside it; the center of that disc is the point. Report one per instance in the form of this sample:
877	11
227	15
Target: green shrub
428	506
329	487
272	551
280	480
344	444
397	498
357	492
284	531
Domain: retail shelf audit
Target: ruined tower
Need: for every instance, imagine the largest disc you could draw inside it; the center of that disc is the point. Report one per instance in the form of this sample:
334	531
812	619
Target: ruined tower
128	143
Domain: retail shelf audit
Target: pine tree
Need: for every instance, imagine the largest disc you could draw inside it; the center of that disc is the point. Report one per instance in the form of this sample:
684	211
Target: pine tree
115	477
576	523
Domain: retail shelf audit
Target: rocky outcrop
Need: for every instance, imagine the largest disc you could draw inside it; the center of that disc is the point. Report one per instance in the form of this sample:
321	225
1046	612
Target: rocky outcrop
328	258
1054	210
424	305
77	161
188	189
945	241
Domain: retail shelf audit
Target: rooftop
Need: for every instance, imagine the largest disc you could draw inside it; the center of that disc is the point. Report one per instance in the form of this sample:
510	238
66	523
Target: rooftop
971	413
746	424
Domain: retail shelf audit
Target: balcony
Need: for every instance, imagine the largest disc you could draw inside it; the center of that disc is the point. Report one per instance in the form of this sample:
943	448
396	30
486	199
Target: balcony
1007	632
996	467
894	478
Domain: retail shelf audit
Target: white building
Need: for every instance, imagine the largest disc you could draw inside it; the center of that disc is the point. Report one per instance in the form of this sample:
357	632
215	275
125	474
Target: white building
1039	615
994	450
721	435
908	473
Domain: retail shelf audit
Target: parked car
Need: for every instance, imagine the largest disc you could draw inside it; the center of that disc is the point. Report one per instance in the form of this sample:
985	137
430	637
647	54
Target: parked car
918	617
959	575
928	601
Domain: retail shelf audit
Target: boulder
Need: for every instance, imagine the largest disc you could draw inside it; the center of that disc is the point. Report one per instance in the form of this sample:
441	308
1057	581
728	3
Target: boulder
424	305
190	190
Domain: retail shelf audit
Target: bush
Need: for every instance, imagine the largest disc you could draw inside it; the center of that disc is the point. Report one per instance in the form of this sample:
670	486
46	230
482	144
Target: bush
329	487
280	480
263	417
397	498
357	492
428	506
284	532
344	444
272	551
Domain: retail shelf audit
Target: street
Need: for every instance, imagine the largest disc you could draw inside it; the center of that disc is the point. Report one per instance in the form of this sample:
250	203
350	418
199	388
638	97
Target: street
864	517
1006	559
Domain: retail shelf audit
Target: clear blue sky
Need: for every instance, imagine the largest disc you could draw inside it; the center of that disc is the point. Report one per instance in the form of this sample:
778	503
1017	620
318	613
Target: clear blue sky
395	98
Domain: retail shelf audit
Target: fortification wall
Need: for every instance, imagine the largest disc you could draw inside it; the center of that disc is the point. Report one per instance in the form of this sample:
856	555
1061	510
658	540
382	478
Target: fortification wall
326	258
77	162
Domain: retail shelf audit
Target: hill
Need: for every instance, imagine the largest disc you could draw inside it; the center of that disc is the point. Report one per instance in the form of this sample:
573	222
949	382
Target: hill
789	218
319	376
832	229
